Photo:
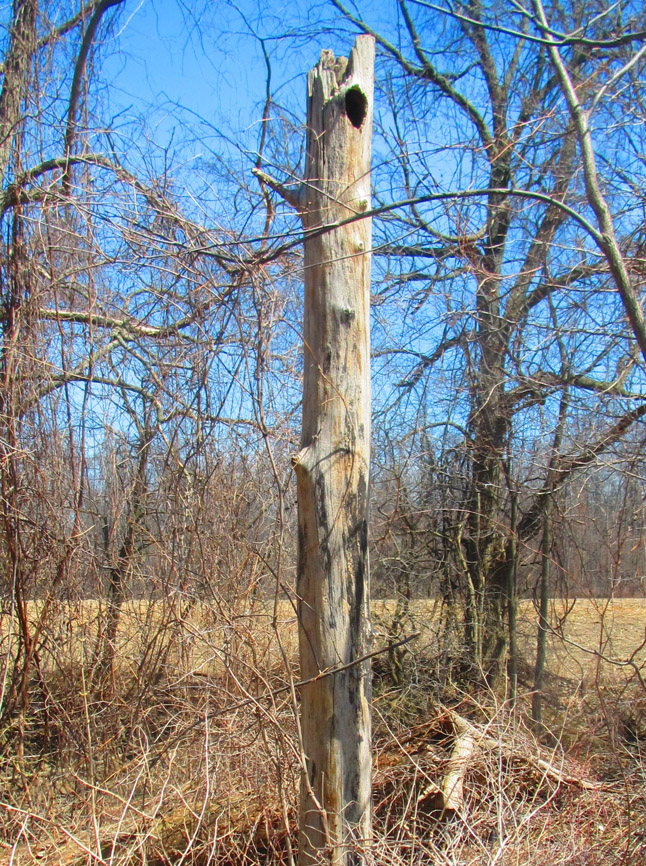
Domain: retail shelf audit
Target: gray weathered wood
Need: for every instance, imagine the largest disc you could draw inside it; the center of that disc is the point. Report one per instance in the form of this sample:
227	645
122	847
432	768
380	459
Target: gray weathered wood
333	464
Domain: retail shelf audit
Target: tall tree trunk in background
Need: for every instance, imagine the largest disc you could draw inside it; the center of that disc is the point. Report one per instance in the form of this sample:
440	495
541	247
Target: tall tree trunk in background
512	600
120	570
553	472
543	621
14	355
16	82
332	467
485	545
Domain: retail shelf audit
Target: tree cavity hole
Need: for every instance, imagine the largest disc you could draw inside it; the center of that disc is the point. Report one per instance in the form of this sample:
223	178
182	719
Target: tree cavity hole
356	106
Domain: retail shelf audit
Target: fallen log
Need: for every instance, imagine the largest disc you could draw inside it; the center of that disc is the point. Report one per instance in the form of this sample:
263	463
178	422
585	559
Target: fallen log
461	755
447	793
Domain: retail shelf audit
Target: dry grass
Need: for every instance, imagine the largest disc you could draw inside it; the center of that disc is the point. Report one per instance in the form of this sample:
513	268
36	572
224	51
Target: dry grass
588	634
188	752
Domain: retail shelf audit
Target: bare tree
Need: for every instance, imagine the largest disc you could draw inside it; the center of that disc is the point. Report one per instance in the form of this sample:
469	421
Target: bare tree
332	467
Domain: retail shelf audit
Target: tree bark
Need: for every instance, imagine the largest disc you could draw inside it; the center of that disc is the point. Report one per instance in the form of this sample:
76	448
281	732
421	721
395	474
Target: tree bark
15	86
332	466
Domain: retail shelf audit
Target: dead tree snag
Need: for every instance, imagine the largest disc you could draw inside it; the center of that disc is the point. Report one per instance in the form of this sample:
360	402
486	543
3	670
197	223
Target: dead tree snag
333	464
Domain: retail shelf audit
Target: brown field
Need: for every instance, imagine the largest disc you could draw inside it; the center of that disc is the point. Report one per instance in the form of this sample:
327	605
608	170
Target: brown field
585	631
589	637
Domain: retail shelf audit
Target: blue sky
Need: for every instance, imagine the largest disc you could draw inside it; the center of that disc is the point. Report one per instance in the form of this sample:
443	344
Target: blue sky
204	75
185	69
207	63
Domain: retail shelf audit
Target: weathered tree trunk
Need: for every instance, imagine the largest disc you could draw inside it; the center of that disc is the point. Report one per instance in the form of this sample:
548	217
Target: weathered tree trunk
333	464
